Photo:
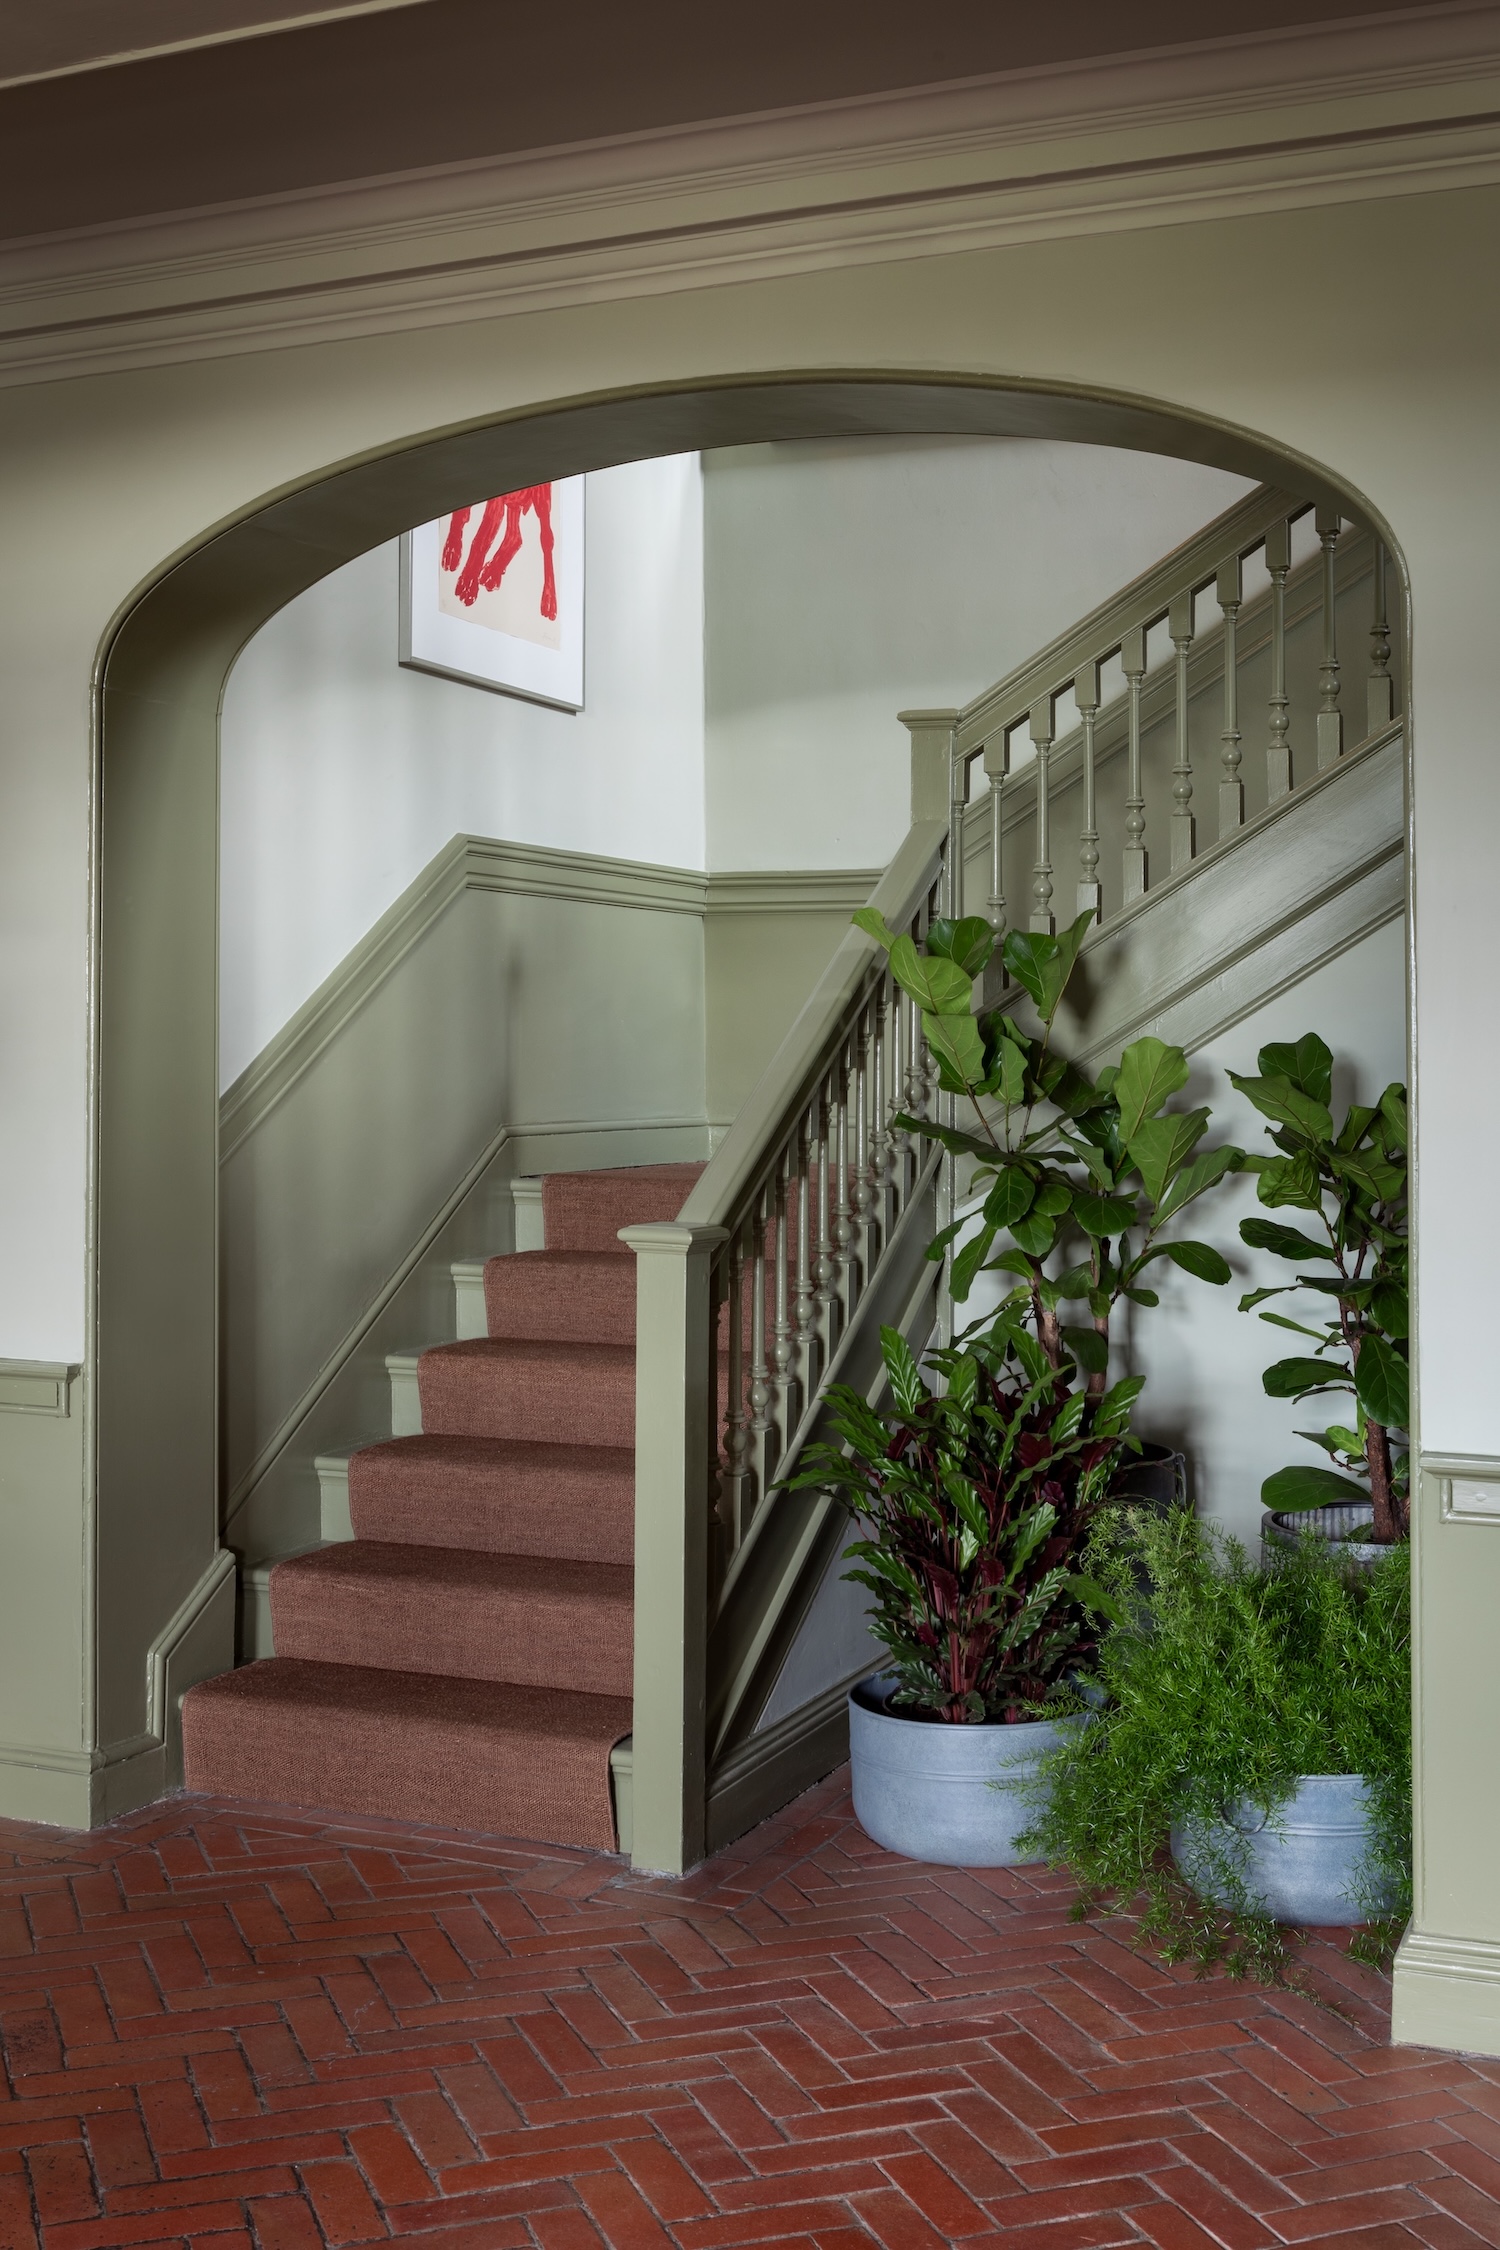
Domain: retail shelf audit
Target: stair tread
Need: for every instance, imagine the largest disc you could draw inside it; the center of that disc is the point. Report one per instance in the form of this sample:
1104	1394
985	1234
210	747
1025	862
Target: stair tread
531	1620
496	1495
483	1755
560	1296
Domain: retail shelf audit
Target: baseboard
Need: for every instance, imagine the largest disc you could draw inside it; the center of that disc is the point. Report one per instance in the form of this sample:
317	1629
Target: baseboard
769	1769
1445	1992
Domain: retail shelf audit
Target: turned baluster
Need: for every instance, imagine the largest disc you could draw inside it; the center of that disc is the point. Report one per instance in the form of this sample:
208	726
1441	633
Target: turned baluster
884	1073
1330	717
958	801
1278	750
1180	627
866	1142
1041	726
827	1267
1231	592
997	766
1133	662
783	1327
737	1432
1090	890
805	1309
1380	688
762	1392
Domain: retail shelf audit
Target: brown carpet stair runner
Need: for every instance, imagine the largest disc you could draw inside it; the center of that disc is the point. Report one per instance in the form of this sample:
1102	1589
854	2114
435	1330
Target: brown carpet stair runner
465	1659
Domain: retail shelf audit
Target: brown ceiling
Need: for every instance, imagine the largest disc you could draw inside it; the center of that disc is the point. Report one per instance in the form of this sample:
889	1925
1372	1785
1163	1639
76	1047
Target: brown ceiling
460	79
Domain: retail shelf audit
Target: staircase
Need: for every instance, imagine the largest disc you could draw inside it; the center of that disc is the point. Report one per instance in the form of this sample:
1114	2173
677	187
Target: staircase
570	1599
465	1658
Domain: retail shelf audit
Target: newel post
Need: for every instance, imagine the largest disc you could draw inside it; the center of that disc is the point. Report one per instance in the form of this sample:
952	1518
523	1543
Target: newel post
939	789
676	1399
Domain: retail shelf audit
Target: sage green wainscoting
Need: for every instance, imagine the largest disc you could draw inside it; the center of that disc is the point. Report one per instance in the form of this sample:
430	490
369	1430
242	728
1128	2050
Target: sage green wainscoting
516	1010
1446	1988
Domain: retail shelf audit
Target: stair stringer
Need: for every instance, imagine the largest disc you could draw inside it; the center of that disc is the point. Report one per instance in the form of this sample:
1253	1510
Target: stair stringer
1250	917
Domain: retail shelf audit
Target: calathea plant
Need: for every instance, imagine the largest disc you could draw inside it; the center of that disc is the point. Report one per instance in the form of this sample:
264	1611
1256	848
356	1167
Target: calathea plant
974	1499
1352	1177
1078	1175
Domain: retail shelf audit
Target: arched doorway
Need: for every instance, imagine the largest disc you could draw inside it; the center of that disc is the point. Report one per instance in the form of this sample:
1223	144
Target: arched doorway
154	1317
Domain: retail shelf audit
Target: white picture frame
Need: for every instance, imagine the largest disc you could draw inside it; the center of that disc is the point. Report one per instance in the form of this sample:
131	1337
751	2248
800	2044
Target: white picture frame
463	620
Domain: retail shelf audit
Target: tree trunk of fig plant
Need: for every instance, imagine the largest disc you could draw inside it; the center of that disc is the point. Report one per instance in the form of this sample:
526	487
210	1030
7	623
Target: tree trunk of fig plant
1388	1526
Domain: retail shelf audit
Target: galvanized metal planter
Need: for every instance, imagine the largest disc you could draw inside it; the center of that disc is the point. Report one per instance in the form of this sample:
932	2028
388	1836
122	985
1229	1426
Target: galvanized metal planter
1307	1863
941	1793
1284	1527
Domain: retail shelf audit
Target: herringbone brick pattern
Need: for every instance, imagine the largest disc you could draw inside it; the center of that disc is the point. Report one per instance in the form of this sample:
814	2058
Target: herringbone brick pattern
231	2026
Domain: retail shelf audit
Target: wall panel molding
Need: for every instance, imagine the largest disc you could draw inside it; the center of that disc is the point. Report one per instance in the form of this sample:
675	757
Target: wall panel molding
468	863
1257	122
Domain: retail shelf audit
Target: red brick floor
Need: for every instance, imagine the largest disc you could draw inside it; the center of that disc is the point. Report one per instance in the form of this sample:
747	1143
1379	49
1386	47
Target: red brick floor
232	2026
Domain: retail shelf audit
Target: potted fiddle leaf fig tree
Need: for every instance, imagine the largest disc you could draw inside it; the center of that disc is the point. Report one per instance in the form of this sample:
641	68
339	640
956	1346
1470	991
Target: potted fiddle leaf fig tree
1350	1176
1078	1176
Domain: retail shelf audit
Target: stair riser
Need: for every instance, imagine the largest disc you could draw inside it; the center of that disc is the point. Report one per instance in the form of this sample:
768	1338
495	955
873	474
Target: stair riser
553	1298
447	1762
546	1639
530	1396
572	1517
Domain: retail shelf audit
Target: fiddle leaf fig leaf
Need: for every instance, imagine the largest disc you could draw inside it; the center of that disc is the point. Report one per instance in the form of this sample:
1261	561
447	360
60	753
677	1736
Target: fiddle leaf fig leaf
1307	1064
1286	1104
1194	1179
1382	1383
1293	1378
1150	1073
969	943
955	1040
1285	1242
1382	1181
1160	1146
1389	1309
1292	1490
1197	1258
967	1262
1035	1235
1104	1215
1010	1072
1053	1198
1291	1180
1393	1110
939	987
874	924
1089	1349
1010	1198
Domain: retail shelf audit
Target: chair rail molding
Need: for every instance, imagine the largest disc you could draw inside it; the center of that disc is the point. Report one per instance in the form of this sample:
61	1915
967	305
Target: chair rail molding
1291	119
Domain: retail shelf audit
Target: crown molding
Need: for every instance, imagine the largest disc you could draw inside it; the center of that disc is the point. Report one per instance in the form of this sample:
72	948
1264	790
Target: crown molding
1366	108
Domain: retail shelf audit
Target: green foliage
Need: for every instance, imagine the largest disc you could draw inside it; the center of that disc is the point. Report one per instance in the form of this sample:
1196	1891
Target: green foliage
975	1498
1078	1176
1223	1681
1353	1176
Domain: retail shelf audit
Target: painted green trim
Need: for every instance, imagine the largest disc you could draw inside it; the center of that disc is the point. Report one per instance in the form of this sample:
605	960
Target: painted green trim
468	863
36	1386
795	890
769	1769
1445	1992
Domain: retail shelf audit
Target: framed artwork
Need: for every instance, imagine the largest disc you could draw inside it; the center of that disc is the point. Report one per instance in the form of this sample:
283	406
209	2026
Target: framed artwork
493	594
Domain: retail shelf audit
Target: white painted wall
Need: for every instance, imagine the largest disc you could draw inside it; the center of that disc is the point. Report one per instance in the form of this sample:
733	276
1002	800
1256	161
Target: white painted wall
1202	1358
343	773
847	581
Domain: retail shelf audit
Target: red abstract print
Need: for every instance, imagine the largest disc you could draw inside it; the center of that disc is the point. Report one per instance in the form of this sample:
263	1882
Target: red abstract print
482	571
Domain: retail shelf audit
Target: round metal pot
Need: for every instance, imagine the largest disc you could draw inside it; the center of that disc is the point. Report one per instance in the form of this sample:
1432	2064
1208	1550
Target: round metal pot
1283	1527
1154	1478
1307	1863
944	1793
